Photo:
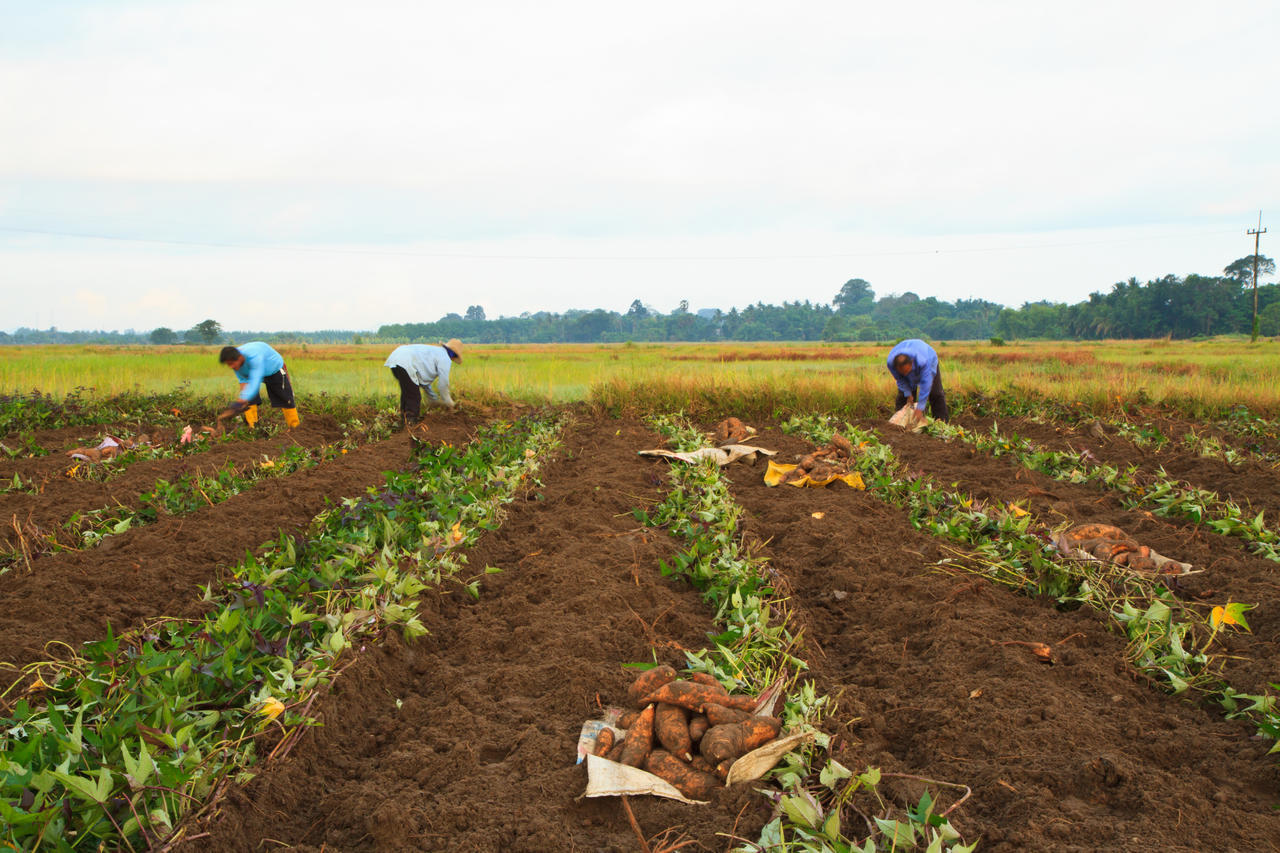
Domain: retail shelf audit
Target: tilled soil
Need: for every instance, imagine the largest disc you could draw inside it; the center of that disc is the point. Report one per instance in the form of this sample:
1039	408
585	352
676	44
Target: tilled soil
464	741
1230	571
157	569
60	496
1074	756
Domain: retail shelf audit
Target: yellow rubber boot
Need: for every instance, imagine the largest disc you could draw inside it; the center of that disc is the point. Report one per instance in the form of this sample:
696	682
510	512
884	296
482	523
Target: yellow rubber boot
291	418
251	416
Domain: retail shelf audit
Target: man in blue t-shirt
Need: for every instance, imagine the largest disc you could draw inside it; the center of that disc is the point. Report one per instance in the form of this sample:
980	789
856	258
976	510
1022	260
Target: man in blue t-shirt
914	366
256	364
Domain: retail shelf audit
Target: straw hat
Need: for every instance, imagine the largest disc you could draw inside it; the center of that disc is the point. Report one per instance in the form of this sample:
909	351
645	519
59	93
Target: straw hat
455	348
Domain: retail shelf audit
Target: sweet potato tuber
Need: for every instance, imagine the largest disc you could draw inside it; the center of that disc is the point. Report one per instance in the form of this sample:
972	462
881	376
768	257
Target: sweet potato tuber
604	742
671	725
647	682
692	783
639	739
735	739
615	752
722	769
741	703
686	694
707	679
698	725
627	720
700	763
718	715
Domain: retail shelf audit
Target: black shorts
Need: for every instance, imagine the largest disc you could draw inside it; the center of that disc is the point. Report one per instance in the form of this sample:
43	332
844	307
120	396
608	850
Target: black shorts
279	390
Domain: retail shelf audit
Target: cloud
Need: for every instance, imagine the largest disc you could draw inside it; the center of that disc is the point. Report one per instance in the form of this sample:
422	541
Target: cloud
585	129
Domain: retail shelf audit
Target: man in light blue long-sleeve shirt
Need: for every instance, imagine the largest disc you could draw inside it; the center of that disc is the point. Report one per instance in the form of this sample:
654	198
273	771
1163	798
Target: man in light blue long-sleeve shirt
256	364
415	367
914	366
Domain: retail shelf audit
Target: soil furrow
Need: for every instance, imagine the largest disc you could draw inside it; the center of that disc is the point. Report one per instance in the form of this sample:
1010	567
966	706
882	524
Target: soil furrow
157	570
61	497
465	739
1230	572
1073	756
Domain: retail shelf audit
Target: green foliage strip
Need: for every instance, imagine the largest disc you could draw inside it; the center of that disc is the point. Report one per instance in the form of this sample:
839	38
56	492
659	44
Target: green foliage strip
135	730
754	649
1167	640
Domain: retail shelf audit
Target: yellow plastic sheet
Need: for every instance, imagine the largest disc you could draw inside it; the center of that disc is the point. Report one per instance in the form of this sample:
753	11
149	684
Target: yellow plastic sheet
777	471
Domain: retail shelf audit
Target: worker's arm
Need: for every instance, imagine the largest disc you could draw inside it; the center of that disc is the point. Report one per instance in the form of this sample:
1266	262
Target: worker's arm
439	366
253	381
928	370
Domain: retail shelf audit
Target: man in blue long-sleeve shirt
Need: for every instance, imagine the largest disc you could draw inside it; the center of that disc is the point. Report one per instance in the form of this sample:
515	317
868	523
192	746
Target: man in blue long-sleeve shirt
256	364
416	367
914	366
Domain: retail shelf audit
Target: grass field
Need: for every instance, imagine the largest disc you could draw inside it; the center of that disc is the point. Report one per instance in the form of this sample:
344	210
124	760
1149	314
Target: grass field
1191	376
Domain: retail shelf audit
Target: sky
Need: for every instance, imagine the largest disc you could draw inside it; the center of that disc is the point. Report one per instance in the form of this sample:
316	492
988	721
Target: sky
290	165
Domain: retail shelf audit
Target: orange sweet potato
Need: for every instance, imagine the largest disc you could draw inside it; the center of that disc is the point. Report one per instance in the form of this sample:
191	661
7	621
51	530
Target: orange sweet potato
639	739
604	742
671	725
742	703
718	715
709	680
647	682
732	740
700	763
615	753
694	784
687	694
627	720
698	725
722	769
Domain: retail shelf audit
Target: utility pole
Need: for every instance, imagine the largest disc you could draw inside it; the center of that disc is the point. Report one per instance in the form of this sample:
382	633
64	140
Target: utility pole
1257	235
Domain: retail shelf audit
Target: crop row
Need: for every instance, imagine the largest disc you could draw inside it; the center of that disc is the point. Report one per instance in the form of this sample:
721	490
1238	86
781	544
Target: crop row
1259	436
1168	640
181	496
115	745
754	648
1157	492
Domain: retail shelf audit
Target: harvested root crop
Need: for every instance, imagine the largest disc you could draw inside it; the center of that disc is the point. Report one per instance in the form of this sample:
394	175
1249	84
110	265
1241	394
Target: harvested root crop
689	781
671	724
733	740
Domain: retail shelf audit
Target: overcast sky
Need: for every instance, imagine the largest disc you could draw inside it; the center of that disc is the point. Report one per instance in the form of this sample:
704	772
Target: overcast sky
311	165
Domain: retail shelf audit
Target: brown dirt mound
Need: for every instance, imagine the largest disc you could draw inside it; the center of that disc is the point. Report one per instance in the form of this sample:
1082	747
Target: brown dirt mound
478	754
1078	755
156	570
1075	756
1231	571
61	496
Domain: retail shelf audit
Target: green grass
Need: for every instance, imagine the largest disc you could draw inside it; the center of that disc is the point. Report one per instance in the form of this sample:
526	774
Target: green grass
1194	377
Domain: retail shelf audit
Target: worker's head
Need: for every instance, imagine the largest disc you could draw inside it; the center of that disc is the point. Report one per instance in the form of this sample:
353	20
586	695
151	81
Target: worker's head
231	357
902	364
454	348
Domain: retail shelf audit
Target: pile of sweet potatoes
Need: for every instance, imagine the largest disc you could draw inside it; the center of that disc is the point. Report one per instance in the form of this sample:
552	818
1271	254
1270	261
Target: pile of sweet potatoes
831	461
688	732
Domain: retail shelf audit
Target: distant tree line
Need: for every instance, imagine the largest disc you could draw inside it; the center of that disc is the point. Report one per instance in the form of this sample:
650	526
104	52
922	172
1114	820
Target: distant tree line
1166	307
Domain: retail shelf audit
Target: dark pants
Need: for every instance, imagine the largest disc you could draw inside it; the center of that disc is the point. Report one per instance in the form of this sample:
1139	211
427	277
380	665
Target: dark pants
279	390
410	396
937	399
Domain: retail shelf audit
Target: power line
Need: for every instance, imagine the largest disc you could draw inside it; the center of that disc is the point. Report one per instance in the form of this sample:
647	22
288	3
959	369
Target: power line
504	257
